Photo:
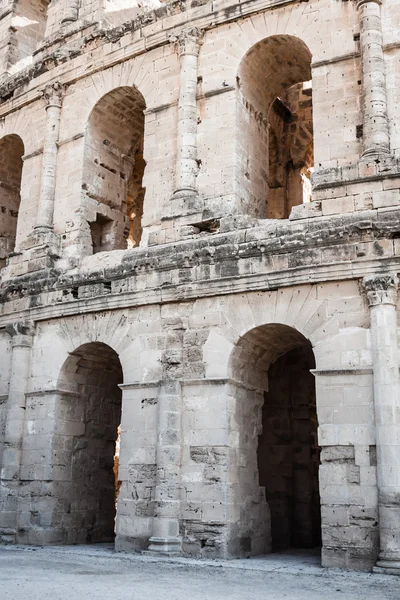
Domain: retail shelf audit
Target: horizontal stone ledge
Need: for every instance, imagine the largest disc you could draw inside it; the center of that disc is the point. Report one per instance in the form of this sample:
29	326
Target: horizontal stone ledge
73	138
221	287
49	392
190	382
333	372
221	381
209	380
139	385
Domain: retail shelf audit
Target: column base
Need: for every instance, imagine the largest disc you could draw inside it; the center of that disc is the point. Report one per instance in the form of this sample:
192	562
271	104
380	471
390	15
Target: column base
387	567
39	251
164	546
375	153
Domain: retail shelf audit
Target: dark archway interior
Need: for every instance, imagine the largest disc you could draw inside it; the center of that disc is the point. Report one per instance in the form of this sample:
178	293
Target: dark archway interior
278	454
114	169
28	30
275	126
11	153
288	454
87	419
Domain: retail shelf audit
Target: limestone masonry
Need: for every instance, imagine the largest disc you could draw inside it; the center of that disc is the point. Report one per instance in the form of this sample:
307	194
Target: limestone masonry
199	298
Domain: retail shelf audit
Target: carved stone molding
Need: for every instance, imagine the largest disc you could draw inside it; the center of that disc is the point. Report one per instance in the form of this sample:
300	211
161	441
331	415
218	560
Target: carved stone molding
53	94
361	2
21	333
188	42
381	289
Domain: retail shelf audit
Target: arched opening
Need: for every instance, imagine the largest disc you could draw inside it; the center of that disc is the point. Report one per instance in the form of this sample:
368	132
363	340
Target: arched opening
86	442
275	135
278	448
113	170
28	29
11	153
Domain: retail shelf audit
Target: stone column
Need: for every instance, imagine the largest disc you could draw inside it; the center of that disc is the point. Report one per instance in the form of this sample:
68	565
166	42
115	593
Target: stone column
186	169
381	293
71	11
166	539
21	334
53	95
376	126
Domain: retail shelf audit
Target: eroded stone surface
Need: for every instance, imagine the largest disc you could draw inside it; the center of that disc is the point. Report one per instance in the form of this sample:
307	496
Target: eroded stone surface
199	243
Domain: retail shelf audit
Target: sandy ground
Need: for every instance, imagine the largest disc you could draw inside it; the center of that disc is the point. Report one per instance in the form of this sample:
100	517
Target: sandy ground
97	573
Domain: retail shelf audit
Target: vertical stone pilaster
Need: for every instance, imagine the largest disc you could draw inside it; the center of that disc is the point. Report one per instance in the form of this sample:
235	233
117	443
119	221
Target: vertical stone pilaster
21	344
381	291
53	95
71	12
376	126
188	46
166	538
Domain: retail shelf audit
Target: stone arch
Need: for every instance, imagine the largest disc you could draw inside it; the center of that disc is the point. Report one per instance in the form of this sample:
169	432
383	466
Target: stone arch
120	331
275	427
113	169
274	100
297	307
85	461
11	153
87	93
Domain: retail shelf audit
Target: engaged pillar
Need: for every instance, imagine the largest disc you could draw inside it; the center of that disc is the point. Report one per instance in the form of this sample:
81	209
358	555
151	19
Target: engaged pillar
166	539
381	293
53	95
21	343
186	169
376	127
71	11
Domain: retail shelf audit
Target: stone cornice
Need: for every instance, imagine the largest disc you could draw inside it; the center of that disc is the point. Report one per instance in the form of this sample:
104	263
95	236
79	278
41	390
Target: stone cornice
266	257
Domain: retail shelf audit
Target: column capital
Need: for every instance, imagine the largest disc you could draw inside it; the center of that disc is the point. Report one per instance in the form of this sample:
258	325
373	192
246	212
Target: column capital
53	94
362	2
381	289
188	41
21	333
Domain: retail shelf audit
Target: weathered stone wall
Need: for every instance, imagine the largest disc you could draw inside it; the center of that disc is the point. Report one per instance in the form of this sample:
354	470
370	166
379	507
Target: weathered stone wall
202	311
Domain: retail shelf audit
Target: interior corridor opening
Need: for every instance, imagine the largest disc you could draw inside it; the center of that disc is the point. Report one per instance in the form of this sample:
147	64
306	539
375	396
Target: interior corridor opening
86	441
277	423
113	170
27	32
275	127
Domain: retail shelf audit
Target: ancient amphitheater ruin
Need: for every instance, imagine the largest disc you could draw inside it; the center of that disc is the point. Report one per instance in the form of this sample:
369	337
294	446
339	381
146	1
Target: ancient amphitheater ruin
199	252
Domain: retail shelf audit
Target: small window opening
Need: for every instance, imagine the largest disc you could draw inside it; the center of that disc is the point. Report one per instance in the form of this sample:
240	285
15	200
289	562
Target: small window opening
102	232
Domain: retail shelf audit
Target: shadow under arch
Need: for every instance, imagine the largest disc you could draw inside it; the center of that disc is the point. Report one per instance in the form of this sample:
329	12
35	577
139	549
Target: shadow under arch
11	164
277	448
113	169
86	422
274	99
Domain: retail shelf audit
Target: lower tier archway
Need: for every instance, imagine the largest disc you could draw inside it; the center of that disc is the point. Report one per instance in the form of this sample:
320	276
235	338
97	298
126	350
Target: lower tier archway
87	420
277	452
